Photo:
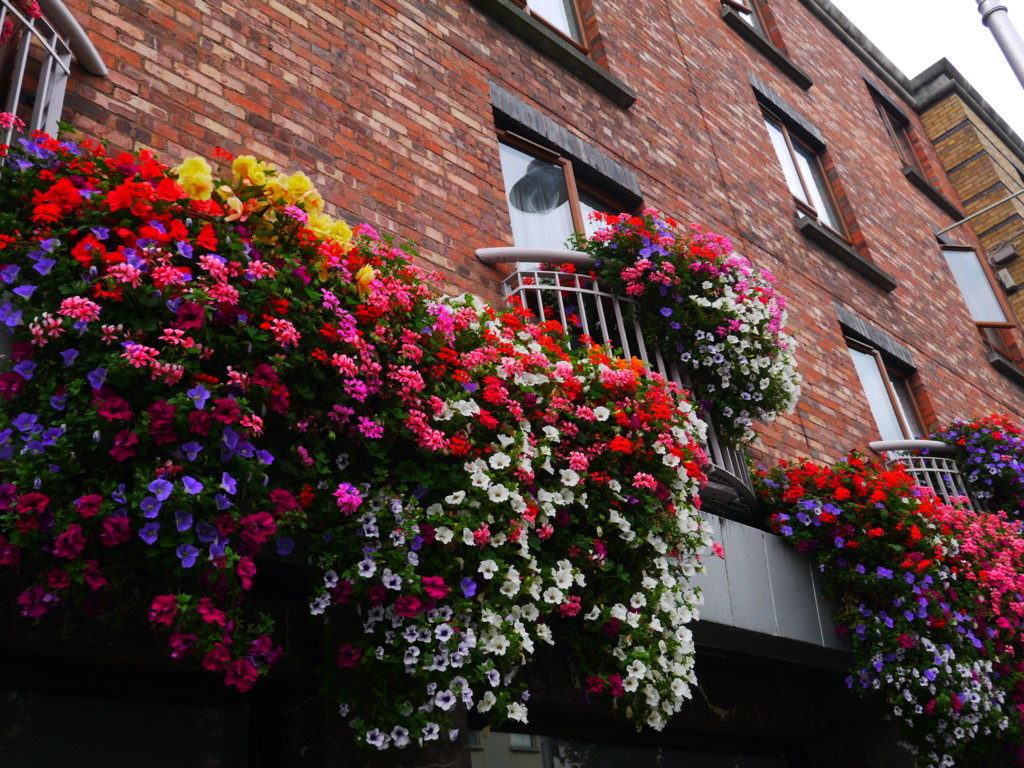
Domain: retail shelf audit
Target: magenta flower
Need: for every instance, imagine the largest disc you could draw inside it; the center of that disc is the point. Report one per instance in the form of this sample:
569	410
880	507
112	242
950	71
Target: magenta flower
70	543
163	609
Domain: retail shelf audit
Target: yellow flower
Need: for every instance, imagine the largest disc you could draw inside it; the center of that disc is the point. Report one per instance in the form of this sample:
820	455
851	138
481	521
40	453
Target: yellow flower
237	209
341	232
321	225
295	187
248	167
314	203
364	277
196	176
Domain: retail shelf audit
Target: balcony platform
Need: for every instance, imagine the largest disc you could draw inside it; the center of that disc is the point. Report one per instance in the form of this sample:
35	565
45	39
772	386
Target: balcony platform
765	599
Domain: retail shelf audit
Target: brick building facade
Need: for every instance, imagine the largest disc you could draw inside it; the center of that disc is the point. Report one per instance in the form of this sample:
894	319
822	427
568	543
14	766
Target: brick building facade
398	111
984	159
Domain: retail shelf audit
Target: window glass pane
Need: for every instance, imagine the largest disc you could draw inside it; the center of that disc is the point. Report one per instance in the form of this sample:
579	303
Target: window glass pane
878	396
786	160
521	741
974	285
898	136
589	204
748	14
821	201
560	14
538	200
905	401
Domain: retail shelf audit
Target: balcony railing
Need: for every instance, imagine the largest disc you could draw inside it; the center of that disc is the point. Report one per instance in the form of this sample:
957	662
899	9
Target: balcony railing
928	462
35	61
583	307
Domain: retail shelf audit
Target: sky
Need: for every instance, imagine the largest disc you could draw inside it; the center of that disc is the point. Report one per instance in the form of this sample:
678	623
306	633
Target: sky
916	33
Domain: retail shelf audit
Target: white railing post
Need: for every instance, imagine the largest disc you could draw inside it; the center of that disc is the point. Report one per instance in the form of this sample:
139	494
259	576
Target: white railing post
42	58
928	462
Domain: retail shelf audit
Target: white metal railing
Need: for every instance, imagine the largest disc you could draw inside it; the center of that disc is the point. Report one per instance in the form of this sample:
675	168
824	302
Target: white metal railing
928	462
584	308
35	63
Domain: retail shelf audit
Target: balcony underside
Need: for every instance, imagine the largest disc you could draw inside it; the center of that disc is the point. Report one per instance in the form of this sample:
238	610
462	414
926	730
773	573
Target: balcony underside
764	599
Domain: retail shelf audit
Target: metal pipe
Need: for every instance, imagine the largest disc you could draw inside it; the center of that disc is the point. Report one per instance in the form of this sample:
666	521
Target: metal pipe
85	52
976	214
995	17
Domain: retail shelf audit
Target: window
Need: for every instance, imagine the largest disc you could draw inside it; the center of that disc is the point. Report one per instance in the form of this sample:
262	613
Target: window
561	15
545	203
896	129
804	175
523	742
749	12
888	392
981	299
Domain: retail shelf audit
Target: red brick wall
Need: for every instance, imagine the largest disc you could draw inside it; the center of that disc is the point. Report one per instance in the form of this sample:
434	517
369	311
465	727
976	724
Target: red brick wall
385	104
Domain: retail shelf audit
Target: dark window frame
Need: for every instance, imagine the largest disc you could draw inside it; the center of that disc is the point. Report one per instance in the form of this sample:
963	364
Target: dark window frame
753	10
807	209
583	44
898	132
888	374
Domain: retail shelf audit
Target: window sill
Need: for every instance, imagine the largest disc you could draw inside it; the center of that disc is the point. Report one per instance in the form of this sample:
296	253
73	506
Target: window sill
834	246
915	177
769	51
1006	367
557	48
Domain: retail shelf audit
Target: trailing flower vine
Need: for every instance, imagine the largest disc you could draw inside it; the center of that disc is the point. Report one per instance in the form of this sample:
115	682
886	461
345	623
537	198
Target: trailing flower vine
932	599
208	372
708	307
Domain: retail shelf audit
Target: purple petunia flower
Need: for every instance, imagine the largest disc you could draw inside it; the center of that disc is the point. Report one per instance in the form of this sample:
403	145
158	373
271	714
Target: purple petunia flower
468	587
222	501
25	291
149	532
205	532
284	546
150	507
25	422
161	488
25	368
188	555
69	355
199	395
228	483
192	486
265	457
97	377
182	520
44	265
59	402
10	273
191	450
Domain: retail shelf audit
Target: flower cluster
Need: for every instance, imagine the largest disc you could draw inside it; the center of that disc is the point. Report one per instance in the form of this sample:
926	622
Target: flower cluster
990	454
932	598
696	300
210	372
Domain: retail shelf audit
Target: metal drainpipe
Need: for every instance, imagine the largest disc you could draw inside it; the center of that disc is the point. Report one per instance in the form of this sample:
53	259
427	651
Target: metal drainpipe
996	18
83	49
